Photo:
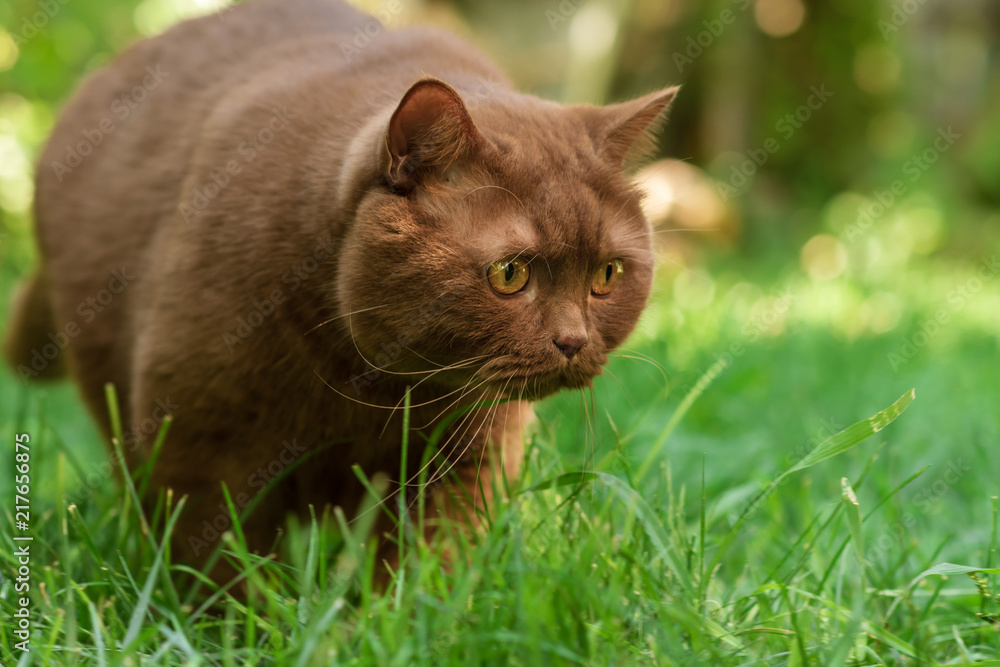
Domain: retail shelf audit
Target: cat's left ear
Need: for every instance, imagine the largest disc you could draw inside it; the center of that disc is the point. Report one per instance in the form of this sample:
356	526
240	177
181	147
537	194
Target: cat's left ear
430	130
625	129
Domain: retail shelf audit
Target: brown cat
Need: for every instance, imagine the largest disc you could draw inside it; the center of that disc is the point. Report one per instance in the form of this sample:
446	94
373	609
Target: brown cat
270	226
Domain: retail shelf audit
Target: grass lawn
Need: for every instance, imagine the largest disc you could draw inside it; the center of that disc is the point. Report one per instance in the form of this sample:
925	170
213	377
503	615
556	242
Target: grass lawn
736	529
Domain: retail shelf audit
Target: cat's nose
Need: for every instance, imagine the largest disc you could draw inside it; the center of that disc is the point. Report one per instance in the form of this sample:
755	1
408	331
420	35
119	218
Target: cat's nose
570	344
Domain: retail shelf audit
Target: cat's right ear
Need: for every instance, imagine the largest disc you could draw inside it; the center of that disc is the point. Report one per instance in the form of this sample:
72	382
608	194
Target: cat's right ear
623	130
429	131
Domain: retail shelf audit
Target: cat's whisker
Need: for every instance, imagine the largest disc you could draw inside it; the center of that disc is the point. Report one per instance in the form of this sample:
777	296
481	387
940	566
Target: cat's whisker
624	388
338	317
392	408
686	229
440	367
452	404
666	163
484	453
547	265
640	261
458	365
411	480
363	358
488	452
638	356
451	457
399	404
646	234
497	187
588	410
350	398
468	417
437	475
521	252
619	211
461	389
638	235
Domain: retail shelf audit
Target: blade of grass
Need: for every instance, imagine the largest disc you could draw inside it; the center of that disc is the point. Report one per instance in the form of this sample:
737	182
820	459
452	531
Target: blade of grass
146	470
654	452
67	556
843	545
135	623
832	446
648	520
949	569
95	623
403	476
853	512
309	573
701	537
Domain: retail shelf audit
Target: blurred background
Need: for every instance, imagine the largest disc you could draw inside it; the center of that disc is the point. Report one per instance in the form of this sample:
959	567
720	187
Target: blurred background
825	198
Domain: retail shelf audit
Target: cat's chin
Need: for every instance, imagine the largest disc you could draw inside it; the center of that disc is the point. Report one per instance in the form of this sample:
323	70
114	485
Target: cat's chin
541	385
531	380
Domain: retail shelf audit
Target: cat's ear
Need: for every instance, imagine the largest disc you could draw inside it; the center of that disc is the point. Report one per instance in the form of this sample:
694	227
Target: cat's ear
430	130
625	129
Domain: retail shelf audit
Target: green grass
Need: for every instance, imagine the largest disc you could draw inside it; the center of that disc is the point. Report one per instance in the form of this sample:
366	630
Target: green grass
641	532
647	529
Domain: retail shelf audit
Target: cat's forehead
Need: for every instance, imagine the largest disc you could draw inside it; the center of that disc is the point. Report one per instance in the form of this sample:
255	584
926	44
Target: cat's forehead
556	219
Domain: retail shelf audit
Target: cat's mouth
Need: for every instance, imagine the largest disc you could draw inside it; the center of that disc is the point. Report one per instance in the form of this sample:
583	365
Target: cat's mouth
531	383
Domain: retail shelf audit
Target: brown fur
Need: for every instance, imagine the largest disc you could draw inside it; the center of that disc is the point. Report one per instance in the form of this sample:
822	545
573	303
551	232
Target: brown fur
390	178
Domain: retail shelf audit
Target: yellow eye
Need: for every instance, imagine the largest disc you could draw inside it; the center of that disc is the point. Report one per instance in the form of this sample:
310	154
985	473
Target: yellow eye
508	276
607	277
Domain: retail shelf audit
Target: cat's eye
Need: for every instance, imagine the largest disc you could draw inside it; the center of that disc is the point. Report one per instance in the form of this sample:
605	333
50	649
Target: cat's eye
508	276
607	277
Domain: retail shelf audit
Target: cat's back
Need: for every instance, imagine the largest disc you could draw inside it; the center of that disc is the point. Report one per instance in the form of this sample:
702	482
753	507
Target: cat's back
129	134
143	110
110	177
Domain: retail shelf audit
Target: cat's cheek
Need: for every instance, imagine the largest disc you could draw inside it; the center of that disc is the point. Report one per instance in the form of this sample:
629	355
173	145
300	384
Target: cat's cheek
618	319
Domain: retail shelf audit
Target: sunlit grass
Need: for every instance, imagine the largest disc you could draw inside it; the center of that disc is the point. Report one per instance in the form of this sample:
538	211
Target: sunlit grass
622	560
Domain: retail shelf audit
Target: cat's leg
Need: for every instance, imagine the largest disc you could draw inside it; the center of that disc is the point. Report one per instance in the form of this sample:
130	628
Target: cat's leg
205	448
32	322
196	465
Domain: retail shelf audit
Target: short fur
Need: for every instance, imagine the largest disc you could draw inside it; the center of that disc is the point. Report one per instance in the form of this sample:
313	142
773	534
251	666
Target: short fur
343	259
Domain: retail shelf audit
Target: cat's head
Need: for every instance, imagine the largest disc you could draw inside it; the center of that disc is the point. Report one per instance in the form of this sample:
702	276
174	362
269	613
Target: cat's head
500	239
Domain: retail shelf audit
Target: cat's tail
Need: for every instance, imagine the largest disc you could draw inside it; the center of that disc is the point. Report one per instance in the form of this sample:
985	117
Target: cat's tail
30	332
